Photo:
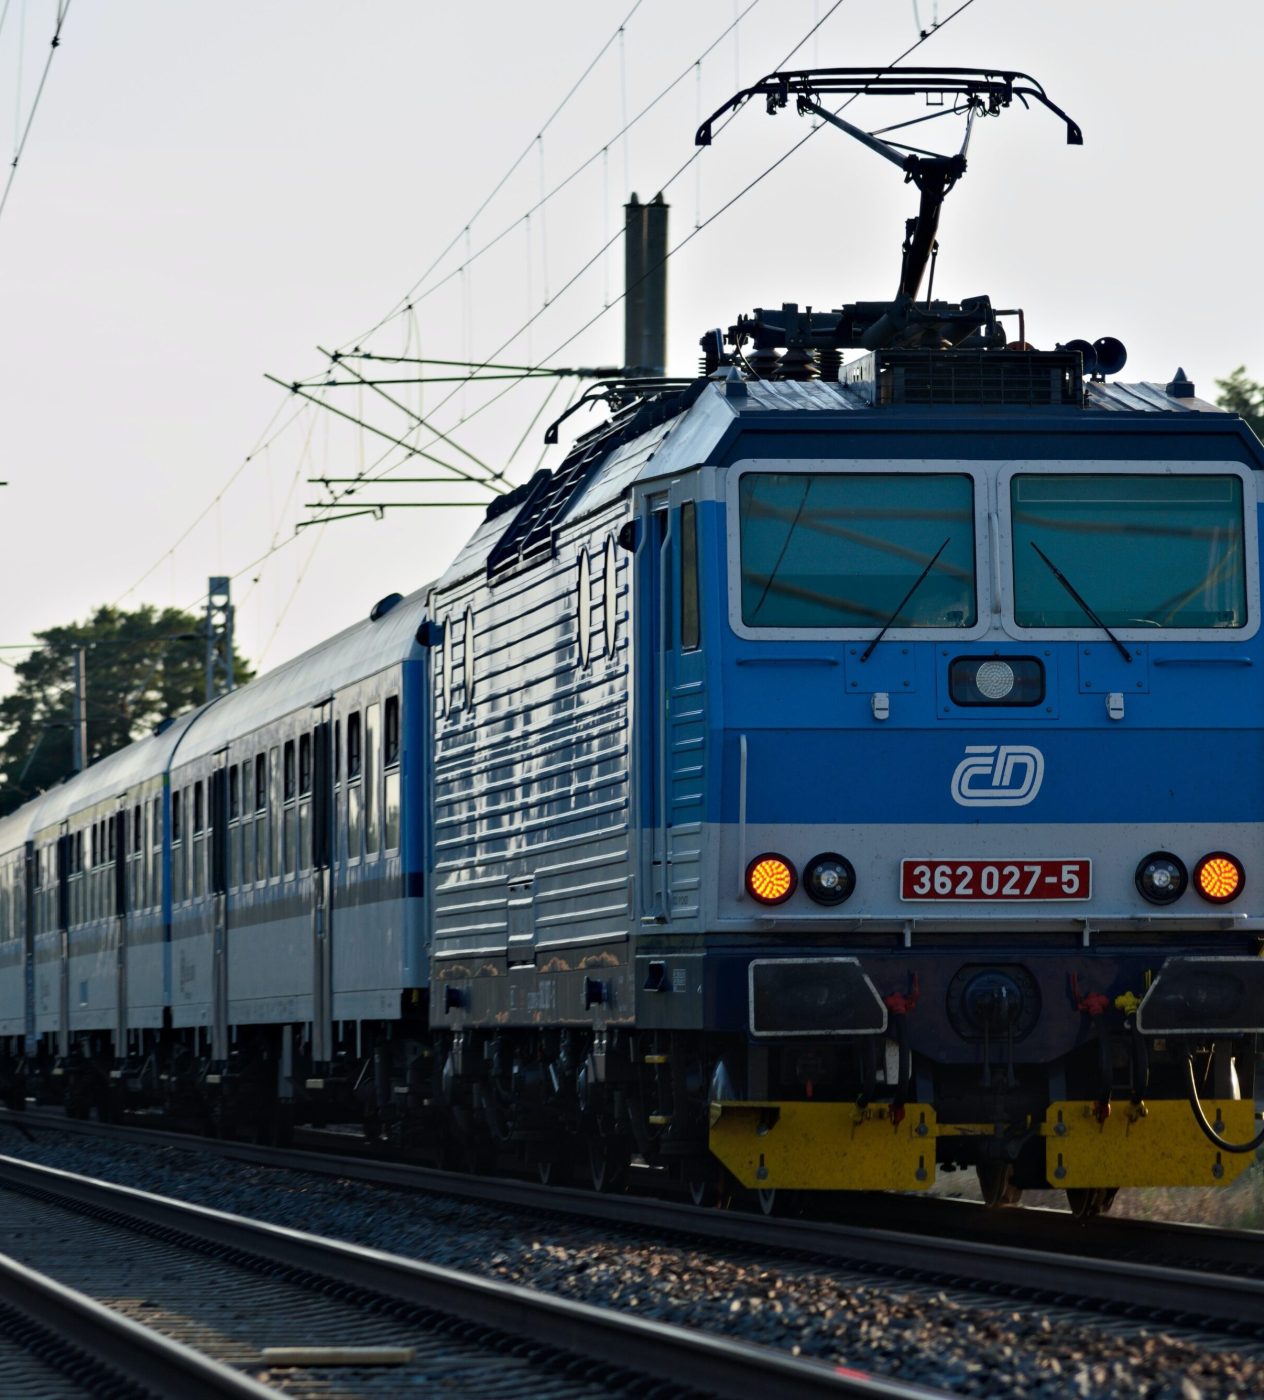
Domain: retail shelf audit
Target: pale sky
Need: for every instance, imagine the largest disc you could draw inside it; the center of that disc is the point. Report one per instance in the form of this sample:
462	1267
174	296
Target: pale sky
209	192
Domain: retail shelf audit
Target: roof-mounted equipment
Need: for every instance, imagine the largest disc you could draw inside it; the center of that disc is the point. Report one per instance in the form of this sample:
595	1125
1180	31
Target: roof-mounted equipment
973	93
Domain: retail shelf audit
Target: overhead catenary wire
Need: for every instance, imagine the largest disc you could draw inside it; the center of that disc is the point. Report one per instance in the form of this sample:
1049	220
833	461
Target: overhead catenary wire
508	175
402	448
727	205
622	296
63	7
408	305
263	443
419	293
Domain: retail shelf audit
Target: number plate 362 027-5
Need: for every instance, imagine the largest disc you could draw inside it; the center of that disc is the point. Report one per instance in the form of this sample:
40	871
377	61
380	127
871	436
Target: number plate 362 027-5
995	879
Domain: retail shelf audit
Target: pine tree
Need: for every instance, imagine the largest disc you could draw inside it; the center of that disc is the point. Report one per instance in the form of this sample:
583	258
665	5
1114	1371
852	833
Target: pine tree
140	667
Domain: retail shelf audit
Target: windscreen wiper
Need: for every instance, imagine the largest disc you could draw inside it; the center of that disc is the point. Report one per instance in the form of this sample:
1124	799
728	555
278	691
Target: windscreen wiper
917	583
1084	607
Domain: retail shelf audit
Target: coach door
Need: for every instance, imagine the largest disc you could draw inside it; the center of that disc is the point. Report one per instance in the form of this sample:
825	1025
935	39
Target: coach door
323	847
217	818
121	849
62	908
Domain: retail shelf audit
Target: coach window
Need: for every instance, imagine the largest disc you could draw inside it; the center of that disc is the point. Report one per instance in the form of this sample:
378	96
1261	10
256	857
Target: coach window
245	832
276	812
390	783
137	859
690	611
234	826
289	837
261	817
198	883
583	607
371	761
155	857
75	881
103	873
177	848
353	787
305	801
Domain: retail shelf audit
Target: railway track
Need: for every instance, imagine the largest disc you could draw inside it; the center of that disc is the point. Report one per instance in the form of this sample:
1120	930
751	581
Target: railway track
57	1341
318	1317
1174	1276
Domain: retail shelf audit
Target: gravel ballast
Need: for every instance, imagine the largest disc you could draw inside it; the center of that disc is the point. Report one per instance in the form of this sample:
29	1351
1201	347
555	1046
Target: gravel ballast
963	1344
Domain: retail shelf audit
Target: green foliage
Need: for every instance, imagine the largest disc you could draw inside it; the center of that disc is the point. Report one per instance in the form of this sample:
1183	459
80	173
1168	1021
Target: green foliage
140	667
1242	395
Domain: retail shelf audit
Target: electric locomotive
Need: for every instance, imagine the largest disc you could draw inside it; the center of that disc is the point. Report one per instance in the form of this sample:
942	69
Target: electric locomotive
845	767
943	662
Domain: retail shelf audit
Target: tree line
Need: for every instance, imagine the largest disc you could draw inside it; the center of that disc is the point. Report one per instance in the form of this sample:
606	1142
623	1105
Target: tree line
141	666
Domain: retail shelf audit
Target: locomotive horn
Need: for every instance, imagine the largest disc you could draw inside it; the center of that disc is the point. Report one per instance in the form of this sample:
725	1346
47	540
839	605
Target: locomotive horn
1087	354
1111	355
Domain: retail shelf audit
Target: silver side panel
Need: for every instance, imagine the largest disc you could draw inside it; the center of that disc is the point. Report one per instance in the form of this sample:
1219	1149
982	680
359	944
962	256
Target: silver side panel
532	769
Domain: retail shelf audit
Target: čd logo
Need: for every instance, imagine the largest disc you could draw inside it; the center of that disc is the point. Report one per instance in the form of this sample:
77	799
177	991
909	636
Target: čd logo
992	775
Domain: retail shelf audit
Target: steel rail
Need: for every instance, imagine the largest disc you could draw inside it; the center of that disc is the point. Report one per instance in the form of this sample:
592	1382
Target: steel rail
708	1362
1107	1265
151	1362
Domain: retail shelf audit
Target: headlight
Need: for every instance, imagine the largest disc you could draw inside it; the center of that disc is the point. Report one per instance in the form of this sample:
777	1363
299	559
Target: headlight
1219	877
829	878
1161	877
770	879
996	680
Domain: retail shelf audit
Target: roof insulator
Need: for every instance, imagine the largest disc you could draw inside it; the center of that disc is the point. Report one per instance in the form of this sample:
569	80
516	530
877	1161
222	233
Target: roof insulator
384	605
1180	387
734	384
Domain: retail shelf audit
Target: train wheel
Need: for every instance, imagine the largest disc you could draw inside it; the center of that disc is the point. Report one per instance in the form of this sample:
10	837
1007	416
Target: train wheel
996	1182
554	1173
702	1181
1086	1202
608	1163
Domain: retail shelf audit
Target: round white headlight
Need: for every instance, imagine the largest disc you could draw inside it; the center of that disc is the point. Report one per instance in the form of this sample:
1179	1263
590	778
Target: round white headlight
995	679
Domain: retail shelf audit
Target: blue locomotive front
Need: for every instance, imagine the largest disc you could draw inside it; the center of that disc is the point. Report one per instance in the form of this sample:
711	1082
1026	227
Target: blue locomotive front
951	760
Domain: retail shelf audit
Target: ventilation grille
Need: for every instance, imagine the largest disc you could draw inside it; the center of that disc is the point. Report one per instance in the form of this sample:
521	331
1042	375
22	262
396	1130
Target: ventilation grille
1017	378
530	536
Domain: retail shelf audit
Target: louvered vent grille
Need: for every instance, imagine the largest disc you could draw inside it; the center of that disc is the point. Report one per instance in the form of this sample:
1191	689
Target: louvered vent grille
530	535
1017	378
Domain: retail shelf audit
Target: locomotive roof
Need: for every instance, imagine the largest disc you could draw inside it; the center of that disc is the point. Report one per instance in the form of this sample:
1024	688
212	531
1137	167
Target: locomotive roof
692	437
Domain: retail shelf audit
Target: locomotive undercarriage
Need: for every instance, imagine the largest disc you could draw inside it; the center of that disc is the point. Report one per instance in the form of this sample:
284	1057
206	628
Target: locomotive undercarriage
722	1116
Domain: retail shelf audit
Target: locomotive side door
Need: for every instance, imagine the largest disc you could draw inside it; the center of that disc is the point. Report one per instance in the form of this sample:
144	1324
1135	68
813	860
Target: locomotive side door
652	579
669	703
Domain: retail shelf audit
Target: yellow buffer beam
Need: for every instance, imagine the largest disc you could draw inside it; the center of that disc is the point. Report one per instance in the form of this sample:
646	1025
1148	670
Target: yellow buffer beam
1158	1144
825	1146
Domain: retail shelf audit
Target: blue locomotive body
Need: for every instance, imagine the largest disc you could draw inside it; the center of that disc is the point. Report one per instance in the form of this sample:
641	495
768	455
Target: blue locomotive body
833	779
